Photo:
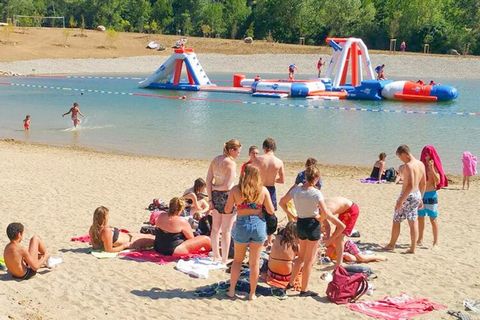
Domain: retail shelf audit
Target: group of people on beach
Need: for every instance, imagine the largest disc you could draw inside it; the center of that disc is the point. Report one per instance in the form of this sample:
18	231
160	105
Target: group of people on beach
245	212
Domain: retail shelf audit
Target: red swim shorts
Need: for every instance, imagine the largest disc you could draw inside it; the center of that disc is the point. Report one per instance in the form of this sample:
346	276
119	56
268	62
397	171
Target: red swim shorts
349	218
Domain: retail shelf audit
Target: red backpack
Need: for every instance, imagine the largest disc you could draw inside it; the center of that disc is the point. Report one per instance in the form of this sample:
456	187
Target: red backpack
345	288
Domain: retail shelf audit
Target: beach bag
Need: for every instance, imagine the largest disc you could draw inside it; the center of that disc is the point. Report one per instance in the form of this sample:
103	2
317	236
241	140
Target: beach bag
390	174
346	288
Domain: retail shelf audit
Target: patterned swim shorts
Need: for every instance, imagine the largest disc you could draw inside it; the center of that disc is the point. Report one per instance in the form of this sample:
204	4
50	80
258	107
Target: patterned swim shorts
409	209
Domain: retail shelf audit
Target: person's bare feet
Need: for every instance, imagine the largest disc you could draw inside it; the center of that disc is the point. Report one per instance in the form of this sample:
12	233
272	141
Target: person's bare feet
252	297
231	293
420	243
389	247
410	251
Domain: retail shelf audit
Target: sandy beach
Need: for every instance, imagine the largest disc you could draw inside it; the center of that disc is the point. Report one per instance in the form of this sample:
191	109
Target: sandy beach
54	191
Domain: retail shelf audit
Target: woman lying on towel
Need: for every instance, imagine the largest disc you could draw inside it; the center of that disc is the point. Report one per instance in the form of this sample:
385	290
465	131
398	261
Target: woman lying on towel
196	199
284	250
103	237
174	235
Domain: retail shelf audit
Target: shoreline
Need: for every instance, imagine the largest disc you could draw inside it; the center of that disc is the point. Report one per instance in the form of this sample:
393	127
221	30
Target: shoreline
397	65
327	169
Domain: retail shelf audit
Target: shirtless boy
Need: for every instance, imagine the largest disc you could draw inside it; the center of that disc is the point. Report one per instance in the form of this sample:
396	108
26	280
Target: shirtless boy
21	262
347	212
410	199
272	171
75	111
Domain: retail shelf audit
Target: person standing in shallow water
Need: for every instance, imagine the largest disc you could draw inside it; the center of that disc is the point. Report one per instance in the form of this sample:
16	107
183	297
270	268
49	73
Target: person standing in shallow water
75	111
220	179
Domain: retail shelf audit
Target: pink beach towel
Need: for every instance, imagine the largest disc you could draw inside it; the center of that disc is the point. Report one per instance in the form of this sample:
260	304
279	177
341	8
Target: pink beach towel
432	153
469	164
402	307
155	257
86	238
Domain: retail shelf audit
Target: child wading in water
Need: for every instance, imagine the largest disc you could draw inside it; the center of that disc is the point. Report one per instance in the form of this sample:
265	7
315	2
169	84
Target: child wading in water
26	123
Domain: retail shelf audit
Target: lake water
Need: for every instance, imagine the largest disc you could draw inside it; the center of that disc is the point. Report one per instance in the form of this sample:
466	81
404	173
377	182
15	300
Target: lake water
120	120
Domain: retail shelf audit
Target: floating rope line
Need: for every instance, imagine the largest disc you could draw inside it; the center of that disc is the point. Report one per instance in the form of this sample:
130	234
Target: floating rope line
319	107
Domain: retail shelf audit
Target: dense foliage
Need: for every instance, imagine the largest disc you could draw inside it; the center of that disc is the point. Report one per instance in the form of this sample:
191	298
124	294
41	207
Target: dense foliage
444	24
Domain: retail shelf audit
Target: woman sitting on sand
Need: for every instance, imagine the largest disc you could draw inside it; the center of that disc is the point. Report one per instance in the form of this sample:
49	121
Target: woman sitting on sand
174	235
284	250
196	199
378	171
103	237
250	197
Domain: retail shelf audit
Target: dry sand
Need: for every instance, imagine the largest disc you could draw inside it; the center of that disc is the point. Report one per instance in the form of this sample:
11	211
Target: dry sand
42	51
54	191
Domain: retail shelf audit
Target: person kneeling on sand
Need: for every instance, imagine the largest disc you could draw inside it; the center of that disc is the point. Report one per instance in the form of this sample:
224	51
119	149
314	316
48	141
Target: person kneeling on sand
103	237
174	235
23	263
347	212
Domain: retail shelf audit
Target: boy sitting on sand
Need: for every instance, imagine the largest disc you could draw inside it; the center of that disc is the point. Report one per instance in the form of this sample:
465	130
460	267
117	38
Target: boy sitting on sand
21	262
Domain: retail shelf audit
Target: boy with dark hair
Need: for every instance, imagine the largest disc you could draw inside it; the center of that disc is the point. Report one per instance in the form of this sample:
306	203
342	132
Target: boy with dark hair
23	263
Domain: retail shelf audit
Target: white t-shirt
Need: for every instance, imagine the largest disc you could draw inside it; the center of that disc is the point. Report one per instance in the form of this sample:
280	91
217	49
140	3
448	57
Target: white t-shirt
306	201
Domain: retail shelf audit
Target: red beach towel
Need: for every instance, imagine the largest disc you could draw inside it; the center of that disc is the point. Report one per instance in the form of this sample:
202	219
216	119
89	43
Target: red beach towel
155	257
402	307
432	152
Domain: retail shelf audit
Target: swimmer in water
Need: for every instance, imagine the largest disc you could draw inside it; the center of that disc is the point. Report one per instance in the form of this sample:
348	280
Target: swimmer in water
183	98
75	111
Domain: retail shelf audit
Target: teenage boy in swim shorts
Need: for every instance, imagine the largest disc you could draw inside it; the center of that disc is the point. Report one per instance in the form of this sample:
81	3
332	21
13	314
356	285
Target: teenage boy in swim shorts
23	263
272	171
410	199
347	212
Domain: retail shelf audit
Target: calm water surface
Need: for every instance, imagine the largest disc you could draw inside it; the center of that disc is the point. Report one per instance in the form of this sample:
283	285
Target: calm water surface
198	127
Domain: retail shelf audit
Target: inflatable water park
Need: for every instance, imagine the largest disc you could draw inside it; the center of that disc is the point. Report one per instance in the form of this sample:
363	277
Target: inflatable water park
349	76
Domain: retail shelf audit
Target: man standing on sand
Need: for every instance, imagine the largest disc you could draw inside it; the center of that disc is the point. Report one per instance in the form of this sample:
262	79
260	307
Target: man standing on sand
272	171
75	111
410	200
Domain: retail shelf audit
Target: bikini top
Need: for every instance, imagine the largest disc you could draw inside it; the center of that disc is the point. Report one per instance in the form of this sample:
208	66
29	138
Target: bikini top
249	205
115	234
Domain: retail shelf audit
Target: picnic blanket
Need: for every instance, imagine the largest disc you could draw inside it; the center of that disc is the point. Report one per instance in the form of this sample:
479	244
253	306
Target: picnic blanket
402	307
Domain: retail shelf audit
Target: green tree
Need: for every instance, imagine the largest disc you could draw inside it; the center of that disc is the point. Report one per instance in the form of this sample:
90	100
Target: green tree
162	13
236	13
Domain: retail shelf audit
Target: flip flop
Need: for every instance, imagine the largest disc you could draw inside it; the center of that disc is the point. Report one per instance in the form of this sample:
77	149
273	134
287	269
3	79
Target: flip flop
458	315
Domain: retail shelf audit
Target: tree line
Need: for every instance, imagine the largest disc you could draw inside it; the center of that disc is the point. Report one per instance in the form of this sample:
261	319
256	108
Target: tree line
443	24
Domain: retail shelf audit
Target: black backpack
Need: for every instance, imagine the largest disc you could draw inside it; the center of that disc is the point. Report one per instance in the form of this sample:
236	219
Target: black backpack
390	174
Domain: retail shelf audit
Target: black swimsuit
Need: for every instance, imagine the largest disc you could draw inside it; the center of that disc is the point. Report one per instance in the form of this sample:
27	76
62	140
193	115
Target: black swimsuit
166	242
116	233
